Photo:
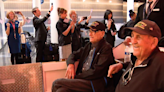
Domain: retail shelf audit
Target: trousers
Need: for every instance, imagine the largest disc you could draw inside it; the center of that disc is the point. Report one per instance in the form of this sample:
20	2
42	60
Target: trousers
71	85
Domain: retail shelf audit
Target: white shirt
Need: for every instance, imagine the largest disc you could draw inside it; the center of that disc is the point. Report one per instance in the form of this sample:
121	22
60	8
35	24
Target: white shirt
147	4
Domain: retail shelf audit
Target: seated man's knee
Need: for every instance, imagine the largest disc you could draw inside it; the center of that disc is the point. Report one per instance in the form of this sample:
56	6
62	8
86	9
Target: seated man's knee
62	89
56	82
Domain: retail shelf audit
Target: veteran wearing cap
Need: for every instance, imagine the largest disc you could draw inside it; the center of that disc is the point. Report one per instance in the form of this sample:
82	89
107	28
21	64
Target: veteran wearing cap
145	72
94	60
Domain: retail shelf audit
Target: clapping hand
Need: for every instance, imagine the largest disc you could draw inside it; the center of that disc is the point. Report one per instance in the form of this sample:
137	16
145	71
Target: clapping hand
48	28
8	24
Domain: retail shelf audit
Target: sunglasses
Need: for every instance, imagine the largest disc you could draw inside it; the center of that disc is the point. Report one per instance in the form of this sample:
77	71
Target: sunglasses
92	31
127	76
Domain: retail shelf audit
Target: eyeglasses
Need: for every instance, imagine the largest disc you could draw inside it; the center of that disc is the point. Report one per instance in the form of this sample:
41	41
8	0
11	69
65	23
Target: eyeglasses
92	32
74	16
127	77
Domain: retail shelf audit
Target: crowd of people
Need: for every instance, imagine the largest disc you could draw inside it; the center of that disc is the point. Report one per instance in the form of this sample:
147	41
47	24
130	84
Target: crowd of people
96	69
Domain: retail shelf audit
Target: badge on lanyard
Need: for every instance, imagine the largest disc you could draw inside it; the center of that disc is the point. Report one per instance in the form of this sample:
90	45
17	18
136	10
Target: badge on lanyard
13	24
15	35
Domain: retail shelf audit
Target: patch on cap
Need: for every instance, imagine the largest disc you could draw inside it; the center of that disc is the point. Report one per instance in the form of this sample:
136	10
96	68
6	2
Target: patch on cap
146	27
95	24
141	25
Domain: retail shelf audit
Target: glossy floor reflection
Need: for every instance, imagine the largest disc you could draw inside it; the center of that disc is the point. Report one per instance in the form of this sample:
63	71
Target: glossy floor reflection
5	56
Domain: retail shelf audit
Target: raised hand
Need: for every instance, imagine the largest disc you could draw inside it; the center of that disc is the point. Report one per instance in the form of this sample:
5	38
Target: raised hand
51	8
8	24
20	13
48	28
127	41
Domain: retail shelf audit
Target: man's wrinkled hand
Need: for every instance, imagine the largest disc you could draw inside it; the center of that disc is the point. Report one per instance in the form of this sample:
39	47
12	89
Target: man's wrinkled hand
114	69
70	72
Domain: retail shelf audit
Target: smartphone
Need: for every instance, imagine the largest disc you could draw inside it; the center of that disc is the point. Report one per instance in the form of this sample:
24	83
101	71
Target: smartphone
84	18
51	3
16	12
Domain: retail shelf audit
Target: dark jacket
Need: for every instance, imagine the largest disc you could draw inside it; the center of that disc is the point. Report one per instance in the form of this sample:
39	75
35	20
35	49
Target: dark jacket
147	77
97	74
40	28
156	16
122	33
61	26
108	36
76	36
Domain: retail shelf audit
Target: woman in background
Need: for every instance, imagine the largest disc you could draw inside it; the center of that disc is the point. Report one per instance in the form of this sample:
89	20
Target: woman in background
23	39
122	33
110	31
64	29
132	16
13	30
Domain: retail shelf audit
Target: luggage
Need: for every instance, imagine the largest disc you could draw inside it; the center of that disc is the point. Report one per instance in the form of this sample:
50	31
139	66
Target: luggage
24	56
51	52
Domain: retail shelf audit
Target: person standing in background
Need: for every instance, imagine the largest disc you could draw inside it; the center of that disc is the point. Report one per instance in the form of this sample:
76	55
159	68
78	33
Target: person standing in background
13	30
110	31
152	10
132	16
64	29
76	36
122	33
40	32
23	39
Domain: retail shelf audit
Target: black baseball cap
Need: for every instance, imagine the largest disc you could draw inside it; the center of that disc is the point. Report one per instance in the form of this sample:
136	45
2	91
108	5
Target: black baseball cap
96	26
146	27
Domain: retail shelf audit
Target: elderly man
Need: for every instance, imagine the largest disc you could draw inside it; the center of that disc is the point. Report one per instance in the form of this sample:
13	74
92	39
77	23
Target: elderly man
94	61
145	71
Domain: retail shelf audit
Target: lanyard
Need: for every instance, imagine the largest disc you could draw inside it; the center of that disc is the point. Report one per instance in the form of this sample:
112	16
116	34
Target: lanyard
144	10
13	24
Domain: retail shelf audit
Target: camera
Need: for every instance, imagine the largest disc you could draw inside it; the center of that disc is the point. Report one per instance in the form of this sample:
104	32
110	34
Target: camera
16	12
84	18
